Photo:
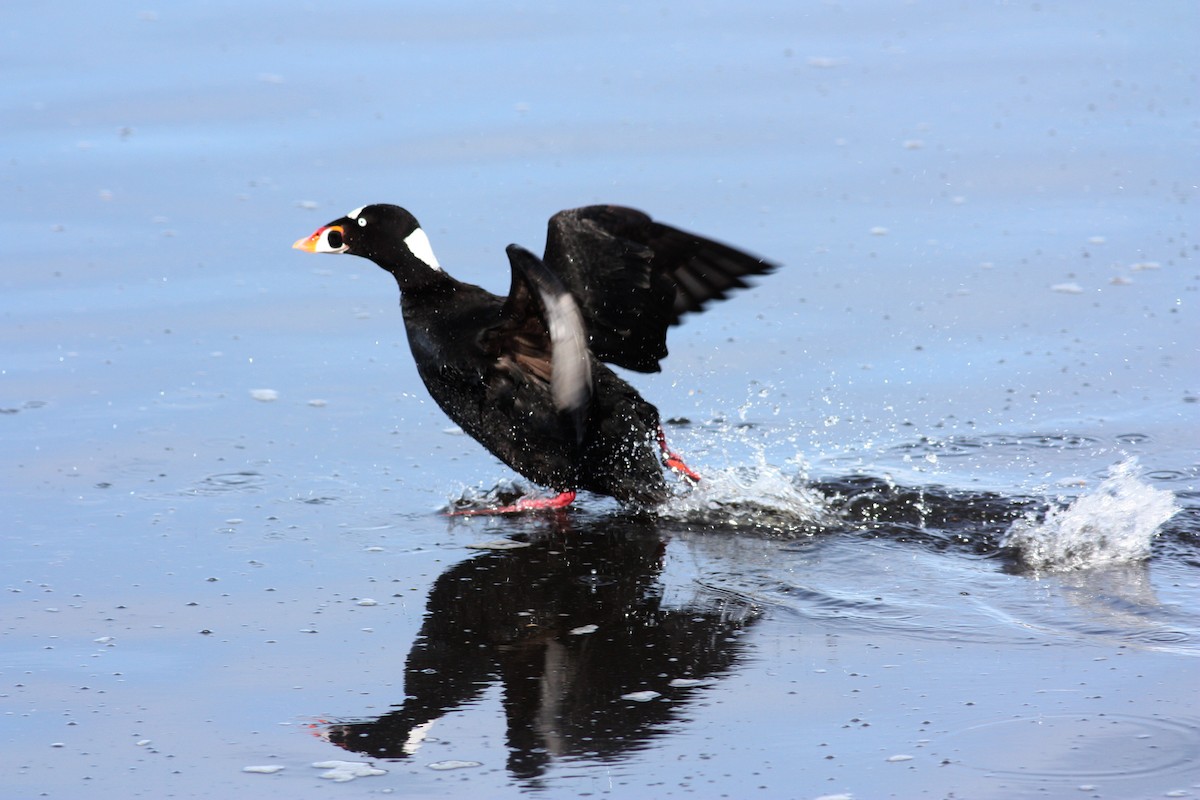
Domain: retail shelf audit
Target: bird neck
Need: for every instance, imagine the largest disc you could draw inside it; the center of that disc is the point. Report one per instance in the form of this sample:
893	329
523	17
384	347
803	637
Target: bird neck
418	277
411	261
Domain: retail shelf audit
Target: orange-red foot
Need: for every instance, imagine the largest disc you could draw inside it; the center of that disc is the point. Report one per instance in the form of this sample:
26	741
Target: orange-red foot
556	503
672	459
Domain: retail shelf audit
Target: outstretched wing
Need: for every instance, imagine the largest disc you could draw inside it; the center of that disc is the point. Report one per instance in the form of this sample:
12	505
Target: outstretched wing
542	336
634	278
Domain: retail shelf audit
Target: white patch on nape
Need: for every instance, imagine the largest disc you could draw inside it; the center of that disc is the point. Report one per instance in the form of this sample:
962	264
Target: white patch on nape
418	244
354	214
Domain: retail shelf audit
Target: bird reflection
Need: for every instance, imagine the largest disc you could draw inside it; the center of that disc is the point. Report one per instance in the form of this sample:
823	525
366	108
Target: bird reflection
524	619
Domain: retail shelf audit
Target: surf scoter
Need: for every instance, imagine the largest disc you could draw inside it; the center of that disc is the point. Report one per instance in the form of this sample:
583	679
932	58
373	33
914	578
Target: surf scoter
524	374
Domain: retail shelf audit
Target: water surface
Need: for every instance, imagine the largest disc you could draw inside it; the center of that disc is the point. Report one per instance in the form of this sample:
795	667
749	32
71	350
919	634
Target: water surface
987	318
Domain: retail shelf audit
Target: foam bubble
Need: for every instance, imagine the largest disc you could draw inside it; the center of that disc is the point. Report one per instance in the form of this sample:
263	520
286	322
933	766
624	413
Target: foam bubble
343	771
1114	524
498	544
453	763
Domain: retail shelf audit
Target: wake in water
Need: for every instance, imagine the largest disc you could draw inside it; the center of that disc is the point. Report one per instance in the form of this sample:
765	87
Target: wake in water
1114	524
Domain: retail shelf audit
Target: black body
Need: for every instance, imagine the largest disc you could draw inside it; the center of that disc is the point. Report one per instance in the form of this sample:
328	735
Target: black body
523	374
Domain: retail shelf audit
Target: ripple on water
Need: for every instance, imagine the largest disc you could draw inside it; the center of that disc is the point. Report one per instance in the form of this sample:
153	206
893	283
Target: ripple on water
836	581
952	446
824	603
229	482
1133	438
1187	475
1077	748
1117	604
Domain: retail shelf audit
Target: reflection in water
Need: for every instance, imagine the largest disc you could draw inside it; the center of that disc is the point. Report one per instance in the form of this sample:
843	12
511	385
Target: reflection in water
596	649
524	619
1118	598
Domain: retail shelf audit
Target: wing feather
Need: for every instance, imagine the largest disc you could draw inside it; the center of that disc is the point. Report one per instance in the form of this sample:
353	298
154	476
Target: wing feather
542	335
634	278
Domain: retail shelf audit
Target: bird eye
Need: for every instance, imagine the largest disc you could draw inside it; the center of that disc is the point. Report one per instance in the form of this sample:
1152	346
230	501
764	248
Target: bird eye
335	239
362	223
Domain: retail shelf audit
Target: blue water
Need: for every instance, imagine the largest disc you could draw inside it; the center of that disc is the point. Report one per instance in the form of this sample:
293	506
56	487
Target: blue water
937	445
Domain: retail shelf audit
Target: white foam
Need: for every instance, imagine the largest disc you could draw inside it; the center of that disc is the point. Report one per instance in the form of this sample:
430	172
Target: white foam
685	683
757	494
497	544
453	763
342	771
1113	524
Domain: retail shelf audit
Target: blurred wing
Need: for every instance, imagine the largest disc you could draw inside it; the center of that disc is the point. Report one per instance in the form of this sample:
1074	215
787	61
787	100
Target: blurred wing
543	336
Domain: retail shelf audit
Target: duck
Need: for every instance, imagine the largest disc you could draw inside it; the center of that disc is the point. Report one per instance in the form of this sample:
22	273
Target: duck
527	374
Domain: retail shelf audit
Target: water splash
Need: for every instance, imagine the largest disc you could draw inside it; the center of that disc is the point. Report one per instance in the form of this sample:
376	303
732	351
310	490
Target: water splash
477	498
759	495
1114	524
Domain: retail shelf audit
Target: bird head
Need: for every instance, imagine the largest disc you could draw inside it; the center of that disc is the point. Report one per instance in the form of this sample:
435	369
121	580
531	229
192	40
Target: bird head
386	234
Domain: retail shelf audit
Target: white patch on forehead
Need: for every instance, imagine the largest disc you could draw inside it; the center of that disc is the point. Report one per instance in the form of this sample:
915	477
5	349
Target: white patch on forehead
354	214
418	244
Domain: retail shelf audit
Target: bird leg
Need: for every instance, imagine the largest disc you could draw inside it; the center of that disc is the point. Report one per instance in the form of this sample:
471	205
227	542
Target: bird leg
556	503
671	459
